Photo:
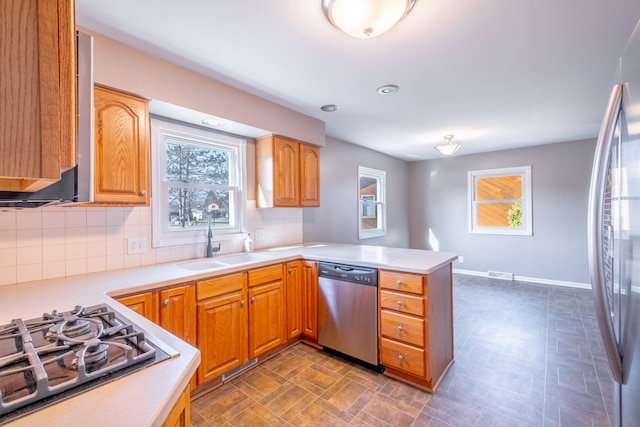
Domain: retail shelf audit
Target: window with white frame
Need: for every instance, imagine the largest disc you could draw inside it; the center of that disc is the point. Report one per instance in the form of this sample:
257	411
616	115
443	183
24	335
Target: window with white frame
500	201
371	203
197	182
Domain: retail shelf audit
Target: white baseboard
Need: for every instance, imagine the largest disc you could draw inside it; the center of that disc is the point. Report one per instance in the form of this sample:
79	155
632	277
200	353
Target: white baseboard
528	279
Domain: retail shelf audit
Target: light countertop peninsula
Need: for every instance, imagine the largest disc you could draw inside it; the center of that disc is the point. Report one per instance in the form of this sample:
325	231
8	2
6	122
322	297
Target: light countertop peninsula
144	398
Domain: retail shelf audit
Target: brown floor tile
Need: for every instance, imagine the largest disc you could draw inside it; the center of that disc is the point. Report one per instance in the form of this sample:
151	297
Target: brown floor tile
527	355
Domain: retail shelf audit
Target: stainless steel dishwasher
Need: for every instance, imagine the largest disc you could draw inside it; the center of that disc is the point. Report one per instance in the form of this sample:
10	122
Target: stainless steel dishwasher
348	310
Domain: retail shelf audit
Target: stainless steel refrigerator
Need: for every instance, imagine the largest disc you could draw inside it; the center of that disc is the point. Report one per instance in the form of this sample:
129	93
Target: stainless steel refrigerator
614	234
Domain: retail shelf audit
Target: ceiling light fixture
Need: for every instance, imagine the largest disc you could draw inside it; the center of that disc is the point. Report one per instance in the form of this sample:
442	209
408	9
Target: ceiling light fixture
212	122
388	89
329	108
366	19
448	148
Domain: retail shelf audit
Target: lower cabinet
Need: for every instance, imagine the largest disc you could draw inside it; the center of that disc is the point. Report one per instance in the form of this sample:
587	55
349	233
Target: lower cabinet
416	325
144	303
309	282
294	294
222	325
180	415
172	308
267	315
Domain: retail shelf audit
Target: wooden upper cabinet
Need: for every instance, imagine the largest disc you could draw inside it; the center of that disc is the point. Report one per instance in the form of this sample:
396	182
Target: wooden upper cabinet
122	146
287	173
309	175
38	92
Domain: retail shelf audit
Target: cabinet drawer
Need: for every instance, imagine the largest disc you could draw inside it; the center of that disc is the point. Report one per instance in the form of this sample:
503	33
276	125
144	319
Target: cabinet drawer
402	356
219	286
402	327
402	302
405	282
265	275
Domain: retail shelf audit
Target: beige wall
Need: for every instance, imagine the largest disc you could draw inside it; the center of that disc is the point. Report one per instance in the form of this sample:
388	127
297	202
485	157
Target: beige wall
125	68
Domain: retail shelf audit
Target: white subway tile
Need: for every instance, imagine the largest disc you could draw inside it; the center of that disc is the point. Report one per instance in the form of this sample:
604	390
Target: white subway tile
29	272
8	257
8	275
8	220
29	238
29	219
53	219
75	218
96	217
56	252
53	269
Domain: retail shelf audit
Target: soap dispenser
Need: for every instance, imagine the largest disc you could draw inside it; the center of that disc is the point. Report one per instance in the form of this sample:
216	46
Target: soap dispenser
248	243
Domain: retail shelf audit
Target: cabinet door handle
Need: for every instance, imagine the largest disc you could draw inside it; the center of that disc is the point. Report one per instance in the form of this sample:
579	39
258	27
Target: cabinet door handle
400	328
166	302
253	299
143	193
400	304
242	303
278	198
290	270
400	357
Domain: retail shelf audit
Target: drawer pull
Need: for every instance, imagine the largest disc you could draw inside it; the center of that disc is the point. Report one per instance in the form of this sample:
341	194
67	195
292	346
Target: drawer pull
400	328
253	299
242	303
400	357
399	283
399	304
165	302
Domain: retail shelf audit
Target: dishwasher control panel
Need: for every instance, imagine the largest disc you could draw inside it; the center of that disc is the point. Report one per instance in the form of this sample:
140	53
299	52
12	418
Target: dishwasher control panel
349	273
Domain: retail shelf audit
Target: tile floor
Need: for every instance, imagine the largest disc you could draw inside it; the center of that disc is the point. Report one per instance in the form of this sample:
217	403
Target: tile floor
525	355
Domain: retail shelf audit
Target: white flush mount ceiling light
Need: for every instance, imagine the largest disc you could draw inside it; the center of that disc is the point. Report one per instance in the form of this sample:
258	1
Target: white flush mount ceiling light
366	18
448	148
329	108
212	122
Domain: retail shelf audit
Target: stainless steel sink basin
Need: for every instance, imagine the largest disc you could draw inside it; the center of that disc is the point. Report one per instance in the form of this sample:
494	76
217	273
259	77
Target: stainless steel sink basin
222	261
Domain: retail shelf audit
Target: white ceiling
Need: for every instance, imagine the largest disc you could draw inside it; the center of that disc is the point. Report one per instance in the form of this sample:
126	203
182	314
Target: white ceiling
497	74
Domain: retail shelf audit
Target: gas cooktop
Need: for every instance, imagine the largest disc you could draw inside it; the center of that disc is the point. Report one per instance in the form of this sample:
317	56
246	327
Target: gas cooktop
61	354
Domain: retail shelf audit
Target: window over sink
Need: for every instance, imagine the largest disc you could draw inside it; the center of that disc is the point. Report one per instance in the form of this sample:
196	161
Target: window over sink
197	180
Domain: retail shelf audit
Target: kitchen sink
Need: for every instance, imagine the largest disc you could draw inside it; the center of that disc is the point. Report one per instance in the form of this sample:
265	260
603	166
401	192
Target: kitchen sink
201	264
222	261
242	258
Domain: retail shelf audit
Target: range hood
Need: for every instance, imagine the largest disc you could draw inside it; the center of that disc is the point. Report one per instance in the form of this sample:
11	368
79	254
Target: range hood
76	184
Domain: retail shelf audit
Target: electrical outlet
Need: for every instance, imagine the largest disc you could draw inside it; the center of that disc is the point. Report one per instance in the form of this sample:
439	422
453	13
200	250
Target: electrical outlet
136	245
460	259
259	233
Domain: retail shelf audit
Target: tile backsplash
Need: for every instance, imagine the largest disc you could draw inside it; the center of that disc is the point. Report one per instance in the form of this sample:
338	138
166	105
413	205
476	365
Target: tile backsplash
54	241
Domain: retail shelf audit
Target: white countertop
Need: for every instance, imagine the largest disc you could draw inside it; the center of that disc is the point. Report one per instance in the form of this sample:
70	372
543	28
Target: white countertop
145	398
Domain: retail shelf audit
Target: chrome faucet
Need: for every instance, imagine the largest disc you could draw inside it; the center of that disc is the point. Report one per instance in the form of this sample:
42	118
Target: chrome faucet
210	248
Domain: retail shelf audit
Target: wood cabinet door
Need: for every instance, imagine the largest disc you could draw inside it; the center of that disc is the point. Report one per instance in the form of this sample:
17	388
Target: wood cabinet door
178	312
38	92
293	287
145	304
222	335
266	317
310	299
286	171
180	415
122	143
309	175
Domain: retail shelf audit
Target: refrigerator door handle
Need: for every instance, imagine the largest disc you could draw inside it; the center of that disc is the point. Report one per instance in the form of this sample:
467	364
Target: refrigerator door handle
596	230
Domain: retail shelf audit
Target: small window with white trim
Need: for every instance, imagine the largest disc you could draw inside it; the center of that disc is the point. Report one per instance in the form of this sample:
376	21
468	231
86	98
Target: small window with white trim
197	182
500	201
371	203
